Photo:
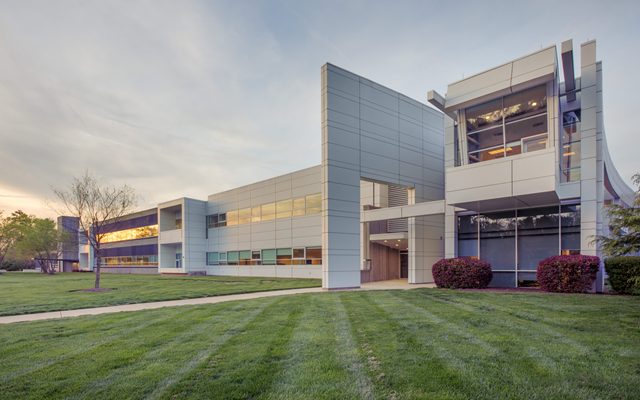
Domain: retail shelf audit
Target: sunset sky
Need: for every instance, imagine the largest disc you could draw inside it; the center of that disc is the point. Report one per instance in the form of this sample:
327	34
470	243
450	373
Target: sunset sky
189	98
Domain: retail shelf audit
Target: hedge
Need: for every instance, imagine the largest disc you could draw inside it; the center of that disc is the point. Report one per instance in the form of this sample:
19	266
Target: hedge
462	273
568	274
624	274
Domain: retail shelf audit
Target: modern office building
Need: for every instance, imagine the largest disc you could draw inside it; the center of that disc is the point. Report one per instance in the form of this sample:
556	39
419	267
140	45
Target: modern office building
510	166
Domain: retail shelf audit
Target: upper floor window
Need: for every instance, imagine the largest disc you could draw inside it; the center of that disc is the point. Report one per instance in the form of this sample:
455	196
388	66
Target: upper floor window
507	126
570	151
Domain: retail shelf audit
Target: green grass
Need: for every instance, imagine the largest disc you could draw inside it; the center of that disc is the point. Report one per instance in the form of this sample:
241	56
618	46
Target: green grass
424	343
25	293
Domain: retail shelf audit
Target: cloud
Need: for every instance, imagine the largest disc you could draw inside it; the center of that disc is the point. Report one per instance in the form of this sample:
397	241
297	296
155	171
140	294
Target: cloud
191	98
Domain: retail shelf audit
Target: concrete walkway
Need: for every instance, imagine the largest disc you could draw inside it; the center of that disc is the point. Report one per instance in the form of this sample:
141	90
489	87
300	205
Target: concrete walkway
386	285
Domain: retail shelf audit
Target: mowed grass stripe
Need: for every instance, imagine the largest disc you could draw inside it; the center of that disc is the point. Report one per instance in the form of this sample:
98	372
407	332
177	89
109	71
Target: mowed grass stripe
348	352
316	365
245	363
100	334
400	364
518	315
555	356
490	368
165	352
97	361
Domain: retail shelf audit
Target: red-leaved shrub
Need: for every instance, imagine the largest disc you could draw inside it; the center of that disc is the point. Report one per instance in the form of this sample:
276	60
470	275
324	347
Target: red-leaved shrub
568	274
461	273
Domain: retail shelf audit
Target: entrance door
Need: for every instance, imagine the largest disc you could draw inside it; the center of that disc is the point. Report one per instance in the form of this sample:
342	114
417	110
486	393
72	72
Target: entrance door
404	265
178	260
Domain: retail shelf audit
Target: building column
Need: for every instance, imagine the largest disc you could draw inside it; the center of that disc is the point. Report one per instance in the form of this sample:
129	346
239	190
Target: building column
591	163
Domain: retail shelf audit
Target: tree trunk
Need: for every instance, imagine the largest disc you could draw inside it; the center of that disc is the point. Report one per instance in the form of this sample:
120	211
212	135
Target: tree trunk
97	270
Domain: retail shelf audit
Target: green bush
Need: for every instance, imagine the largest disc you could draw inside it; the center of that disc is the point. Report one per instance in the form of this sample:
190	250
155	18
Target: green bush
624	274
16	265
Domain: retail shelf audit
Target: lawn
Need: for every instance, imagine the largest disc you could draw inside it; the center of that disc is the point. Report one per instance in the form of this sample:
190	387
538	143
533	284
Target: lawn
424	343
24	293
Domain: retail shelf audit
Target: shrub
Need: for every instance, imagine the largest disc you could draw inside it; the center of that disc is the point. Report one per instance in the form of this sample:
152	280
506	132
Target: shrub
568	274
462	273
16	265
624	274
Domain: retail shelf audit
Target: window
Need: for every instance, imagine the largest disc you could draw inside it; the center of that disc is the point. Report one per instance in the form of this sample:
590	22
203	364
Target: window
283	209
268	211
233	257
314	204
498	239
314	255
269	257
128	261
298	207
283	256
212	221
570	152
298	256
255	214
507	126
533	234
468	235
244	216
570	229
222	220
131	234
232	218
255	257
537	236
213	258
484	116
244	257
222	257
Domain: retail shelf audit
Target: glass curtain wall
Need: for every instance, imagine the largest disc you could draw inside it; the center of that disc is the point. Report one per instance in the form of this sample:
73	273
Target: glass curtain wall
570	151
507	126
515	241
498	245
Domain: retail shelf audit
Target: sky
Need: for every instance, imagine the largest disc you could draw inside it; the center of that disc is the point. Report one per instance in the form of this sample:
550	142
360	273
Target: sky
190	98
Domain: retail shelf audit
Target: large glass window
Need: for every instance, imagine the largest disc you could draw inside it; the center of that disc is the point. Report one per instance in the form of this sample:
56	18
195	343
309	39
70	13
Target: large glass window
141	232
244	257
498	239
283	256
484	116
268	211
255	214
536	233
506	126
537	236
298	207
128	261
233	257
570	227
269	257
213	258
212	221
244	216
314	255
570	152
314	204
283	208
468	235
232	218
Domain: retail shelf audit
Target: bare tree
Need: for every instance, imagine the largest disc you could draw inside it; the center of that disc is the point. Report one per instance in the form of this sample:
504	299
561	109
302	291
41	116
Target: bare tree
97	206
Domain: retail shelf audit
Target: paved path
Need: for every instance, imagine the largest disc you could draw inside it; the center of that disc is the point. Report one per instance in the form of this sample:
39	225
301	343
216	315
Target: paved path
188	302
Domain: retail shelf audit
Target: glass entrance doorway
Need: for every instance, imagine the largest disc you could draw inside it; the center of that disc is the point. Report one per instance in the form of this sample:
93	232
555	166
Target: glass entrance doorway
404	265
